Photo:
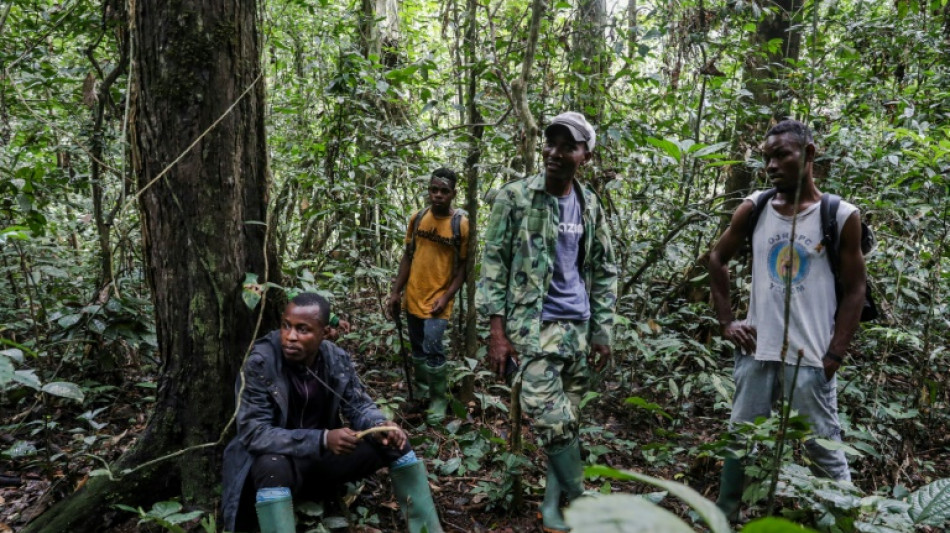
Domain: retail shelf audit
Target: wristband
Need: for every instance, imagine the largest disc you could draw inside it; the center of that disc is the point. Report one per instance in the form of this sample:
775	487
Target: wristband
834	357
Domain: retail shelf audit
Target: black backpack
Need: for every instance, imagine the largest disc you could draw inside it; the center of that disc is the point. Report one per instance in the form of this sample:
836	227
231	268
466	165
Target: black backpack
829	238
456	231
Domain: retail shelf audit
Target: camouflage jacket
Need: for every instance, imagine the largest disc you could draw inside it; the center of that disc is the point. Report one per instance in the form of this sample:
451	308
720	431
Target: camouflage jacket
518	261
262	415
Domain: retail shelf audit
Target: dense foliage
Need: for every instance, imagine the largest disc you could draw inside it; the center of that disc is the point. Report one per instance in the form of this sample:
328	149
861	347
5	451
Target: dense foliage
365	98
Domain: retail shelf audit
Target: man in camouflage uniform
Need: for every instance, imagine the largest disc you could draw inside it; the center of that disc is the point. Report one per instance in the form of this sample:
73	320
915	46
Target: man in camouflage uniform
549	282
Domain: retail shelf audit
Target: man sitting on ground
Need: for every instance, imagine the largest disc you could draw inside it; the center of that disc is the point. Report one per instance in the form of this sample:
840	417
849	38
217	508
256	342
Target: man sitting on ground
290	440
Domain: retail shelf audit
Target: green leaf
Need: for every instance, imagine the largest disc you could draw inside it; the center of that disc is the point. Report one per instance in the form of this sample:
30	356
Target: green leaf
311	509
700	151
64	389
68	320
834	445
164	509
622	513
841	500
179	518
335	522
108	473
54	272
20	448
27	378
649	406
589	396
451	466
7	372
774	525
667	146
13	353
251	293
706	509
930	505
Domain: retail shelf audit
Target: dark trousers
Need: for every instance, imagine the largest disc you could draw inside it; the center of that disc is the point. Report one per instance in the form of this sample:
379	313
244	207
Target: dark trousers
314	478
425	336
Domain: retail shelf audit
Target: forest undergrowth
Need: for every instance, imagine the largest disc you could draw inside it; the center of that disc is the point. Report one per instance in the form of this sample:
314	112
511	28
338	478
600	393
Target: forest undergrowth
660	409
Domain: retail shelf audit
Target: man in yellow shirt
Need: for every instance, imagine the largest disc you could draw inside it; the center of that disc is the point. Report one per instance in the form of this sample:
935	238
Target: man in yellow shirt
431	271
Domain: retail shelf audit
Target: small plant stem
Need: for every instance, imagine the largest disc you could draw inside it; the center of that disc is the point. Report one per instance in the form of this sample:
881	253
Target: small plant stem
783	412
514	441
780	438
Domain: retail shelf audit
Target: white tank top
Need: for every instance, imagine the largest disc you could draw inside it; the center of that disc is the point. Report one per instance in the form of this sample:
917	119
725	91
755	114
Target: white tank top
813	302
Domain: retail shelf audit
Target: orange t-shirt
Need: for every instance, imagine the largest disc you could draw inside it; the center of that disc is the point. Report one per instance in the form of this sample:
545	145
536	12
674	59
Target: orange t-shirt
432	263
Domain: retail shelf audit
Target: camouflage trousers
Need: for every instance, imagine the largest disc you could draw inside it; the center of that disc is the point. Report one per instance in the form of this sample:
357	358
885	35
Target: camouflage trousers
554	380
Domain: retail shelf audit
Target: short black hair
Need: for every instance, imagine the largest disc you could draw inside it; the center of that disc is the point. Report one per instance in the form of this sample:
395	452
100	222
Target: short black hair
312	299
798	129
446	174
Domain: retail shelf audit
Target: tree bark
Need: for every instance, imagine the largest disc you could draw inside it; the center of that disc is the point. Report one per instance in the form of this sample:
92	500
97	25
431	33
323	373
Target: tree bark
379	36
632	28
519	89
589	58
475	131
762	78
202	232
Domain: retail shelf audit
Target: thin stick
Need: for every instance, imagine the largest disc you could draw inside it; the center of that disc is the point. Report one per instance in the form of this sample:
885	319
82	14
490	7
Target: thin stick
377	429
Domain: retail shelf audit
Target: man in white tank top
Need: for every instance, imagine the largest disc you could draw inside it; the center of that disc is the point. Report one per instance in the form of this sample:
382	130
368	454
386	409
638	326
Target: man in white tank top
787	259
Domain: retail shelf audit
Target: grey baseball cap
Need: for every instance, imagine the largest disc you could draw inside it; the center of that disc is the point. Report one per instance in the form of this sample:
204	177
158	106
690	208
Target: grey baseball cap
580	129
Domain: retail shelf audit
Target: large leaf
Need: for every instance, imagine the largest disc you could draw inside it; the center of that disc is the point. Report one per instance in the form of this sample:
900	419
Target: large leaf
6	371
165	509
930	505
706	509
775	525
64	389
27	377
622	513
834	446
20	448
13	353
671	148
251	290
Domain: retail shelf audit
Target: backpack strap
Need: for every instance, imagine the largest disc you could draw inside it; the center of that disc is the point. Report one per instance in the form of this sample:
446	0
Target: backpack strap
763	200
829	230
411	247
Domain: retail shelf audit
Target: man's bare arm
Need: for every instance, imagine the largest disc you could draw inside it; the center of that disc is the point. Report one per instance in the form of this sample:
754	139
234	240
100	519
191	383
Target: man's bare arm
402	276
853	278
723	252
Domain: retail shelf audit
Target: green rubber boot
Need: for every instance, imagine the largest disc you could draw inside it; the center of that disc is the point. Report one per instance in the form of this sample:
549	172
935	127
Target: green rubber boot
438	391
411	487
275	510
552	520
568	469
420	383
730	488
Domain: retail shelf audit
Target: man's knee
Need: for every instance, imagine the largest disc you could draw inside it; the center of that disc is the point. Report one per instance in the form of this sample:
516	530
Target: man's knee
271	470
554	425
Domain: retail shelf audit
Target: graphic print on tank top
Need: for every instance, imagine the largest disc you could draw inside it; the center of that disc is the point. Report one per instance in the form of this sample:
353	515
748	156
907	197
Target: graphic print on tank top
785	261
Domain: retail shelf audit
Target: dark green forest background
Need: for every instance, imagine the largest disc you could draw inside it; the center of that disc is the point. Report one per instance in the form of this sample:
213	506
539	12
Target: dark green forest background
164	164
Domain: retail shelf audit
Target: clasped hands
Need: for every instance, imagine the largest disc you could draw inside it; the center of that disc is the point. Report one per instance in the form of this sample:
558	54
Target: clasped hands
344	440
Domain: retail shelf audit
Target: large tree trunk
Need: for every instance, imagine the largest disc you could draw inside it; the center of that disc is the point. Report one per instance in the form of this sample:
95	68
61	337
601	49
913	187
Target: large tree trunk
475	131
761	74
632	28
519	88
202	232
379	36
589	59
